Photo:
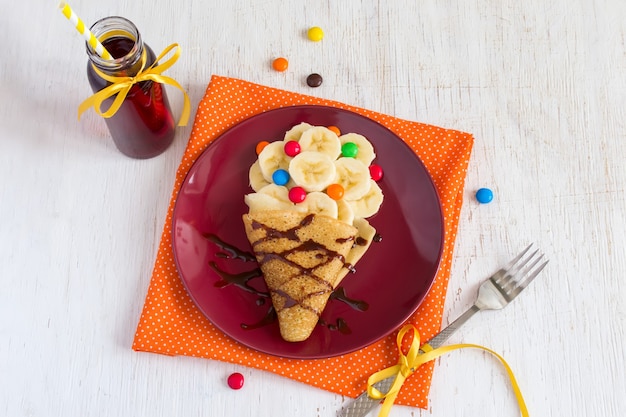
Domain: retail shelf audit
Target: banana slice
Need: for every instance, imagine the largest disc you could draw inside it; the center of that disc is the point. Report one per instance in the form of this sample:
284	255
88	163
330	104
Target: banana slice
279	192
257	180
365	153
312	171
364	239
344	212
270	197
273	157
262	202
366	232
320	203
370	203
353	176
321	139
295	132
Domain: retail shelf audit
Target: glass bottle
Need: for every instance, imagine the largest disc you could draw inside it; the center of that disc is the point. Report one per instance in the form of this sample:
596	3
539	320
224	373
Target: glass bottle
144	126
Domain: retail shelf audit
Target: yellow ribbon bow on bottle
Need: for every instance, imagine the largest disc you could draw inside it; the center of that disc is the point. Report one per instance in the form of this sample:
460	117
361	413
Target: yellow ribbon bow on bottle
122	85
415	357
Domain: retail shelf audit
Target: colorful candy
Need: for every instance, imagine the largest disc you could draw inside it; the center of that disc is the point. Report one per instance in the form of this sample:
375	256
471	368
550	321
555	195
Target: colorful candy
297	195
235	380
280	64
280	177
349	150
315	34
335	191
260	146
376	172
335	129
484	195
314	80
292	148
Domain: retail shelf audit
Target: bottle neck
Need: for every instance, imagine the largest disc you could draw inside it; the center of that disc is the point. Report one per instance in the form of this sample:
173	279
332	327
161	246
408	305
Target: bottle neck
123	41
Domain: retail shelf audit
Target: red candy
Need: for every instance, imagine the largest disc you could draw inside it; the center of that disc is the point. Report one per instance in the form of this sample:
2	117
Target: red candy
376	172
292	148
235	381
297	195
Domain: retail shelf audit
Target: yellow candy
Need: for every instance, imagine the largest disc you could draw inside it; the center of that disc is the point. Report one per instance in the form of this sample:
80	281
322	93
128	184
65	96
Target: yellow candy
315	34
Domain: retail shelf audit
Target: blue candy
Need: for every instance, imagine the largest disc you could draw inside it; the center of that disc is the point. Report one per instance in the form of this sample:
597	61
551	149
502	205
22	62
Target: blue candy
484	195
280	177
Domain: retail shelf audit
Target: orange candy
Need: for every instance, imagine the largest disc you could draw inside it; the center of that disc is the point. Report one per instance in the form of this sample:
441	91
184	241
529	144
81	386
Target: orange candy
260	146
335	129
335	191
280	64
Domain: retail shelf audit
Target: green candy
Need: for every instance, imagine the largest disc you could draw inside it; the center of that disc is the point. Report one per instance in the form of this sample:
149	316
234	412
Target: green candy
349	149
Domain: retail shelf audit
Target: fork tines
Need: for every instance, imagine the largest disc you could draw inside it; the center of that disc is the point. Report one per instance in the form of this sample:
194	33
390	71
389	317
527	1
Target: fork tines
521	271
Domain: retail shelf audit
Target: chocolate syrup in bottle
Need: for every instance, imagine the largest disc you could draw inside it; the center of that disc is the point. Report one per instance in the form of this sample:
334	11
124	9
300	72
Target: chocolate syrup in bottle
144	126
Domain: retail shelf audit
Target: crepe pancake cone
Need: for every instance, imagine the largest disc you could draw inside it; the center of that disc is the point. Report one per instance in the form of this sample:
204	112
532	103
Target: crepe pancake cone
300	255
362	242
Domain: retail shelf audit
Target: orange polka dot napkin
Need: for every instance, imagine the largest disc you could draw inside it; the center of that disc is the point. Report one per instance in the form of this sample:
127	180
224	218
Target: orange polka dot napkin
171	324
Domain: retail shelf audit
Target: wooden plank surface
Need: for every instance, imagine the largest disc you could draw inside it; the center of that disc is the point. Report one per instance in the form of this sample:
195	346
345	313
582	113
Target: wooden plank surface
541	85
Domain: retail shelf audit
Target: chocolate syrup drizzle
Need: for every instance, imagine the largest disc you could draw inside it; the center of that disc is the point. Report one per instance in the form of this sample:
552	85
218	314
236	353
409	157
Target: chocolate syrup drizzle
339	294
269	318
340	325
242	279
231	251
325	254
239	280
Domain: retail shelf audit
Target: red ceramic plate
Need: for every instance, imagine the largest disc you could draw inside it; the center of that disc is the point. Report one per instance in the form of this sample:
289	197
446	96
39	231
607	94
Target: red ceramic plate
392	278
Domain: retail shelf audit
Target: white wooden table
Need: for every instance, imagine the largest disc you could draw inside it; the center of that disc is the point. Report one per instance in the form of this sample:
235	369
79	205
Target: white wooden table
541	85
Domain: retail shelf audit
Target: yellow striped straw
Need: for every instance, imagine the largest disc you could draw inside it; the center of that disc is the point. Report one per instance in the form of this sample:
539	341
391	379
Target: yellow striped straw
80	27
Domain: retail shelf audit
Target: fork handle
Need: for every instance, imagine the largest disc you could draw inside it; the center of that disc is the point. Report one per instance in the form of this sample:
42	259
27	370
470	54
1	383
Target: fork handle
441	337
363	404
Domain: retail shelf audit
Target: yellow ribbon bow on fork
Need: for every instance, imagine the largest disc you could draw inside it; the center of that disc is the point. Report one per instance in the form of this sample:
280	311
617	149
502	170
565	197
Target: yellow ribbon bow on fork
122	85
416	357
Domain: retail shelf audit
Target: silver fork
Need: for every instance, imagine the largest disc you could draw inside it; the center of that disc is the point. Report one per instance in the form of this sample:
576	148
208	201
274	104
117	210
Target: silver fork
494	293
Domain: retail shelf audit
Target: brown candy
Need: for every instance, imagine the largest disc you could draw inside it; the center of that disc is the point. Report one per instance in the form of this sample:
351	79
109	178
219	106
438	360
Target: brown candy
314	80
